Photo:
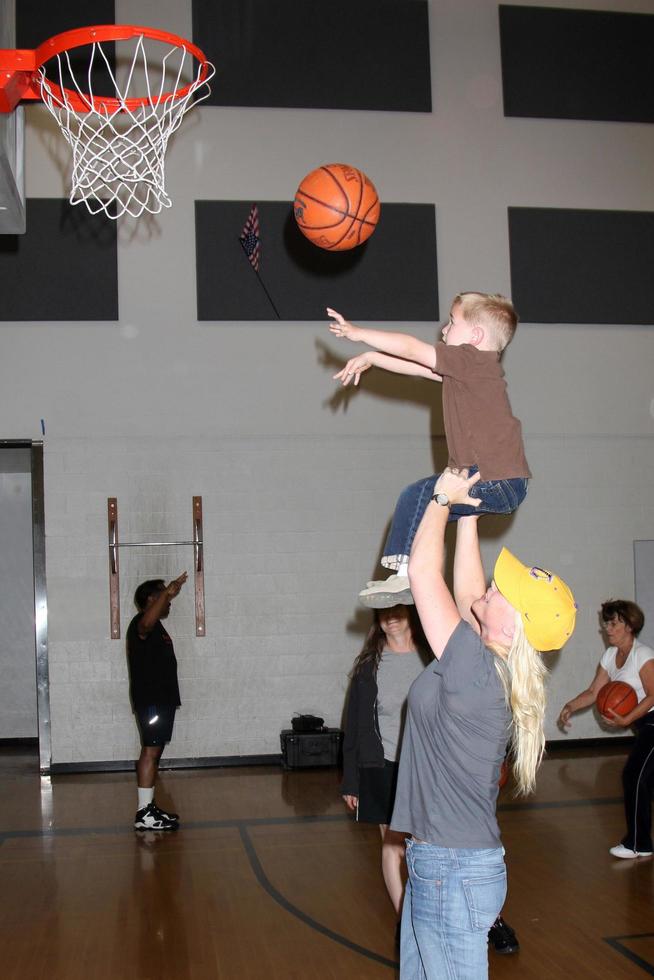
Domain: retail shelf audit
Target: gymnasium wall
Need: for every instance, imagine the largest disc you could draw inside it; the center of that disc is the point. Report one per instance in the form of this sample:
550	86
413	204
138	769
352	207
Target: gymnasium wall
298	478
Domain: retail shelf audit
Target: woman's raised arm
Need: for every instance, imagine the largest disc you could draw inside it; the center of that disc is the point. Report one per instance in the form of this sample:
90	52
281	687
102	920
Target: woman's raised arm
436	607
469	579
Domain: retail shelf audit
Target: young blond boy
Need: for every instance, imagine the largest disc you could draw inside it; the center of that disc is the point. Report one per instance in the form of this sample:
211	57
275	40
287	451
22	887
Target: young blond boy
482	433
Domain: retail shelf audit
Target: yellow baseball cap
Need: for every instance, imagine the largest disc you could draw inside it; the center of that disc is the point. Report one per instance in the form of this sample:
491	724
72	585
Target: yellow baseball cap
544	601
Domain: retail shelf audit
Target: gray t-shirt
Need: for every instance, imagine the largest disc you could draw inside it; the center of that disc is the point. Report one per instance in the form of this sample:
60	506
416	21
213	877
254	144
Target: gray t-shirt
395	675
454	741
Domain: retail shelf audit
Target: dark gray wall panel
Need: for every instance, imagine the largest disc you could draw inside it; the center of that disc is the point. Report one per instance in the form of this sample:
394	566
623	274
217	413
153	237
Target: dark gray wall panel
321	54
577	64
63	268
393	276
571	266
36	21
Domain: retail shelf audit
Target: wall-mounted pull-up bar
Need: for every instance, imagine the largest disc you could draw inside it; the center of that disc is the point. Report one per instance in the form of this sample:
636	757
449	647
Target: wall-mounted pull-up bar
114	574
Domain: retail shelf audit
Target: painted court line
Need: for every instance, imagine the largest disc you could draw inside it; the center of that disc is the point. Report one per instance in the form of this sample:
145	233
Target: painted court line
615	942
273	821
270	889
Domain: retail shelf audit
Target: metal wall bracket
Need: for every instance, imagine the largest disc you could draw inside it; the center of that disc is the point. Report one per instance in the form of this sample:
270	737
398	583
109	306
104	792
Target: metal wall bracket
114	572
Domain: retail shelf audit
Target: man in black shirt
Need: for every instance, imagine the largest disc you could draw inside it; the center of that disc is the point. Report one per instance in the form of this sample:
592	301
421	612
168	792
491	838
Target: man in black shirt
154	692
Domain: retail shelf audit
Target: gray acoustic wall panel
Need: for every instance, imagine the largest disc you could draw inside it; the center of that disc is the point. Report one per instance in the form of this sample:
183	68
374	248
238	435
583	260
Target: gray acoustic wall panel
63	268
393	276
570	266
577	64
322	54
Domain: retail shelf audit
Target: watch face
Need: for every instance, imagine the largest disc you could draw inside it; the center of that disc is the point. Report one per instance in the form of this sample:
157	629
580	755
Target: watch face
442	499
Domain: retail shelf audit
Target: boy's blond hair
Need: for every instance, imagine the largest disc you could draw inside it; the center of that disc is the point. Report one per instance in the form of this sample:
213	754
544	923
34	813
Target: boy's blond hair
490	310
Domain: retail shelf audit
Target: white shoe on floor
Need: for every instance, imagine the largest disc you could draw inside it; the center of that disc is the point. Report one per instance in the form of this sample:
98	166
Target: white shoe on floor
392	591
620	851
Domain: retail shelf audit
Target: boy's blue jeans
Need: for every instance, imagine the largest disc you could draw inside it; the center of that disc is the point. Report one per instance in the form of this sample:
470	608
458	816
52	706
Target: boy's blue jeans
497	497
452	898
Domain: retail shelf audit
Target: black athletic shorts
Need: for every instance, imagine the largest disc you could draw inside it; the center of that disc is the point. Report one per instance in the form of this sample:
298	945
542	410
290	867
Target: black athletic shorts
377	792
156	724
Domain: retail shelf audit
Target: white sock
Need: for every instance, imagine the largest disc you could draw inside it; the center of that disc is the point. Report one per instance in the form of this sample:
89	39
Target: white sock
146	795
403	568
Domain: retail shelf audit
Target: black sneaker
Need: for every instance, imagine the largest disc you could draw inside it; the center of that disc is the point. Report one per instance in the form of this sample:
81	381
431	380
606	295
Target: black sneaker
163	813
502	937
148	818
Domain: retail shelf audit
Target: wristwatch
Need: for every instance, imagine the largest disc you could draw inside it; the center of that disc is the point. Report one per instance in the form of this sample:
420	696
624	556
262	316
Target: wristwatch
442	499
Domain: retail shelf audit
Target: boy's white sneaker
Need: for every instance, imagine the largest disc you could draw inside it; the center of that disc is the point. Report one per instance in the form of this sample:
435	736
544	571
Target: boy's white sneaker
392	591
620	851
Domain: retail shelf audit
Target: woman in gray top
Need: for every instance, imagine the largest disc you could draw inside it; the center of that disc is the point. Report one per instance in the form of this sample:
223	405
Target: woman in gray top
383	672
485	687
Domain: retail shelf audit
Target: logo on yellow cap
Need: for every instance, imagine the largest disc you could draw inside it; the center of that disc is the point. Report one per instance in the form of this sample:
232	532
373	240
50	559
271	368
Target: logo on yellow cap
544	601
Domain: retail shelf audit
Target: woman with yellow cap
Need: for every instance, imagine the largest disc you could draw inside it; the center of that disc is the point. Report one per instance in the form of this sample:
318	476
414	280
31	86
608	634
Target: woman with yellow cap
485	687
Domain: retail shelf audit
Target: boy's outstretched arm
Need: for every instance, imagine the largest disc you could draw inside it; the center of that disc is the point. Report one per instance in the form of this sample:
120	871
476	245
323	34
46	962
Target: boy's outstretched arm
372	358
402	345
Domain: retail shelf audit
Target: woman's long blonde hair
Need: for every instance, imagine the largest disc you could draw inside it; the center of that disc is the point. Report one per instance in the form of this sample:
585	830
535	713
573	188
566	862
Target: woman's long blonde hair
523	674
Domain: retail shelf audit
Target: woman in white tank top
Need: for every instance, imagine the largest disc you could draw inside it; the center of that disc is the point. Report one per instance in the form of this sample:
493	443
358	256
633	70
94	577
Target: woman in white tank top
632	662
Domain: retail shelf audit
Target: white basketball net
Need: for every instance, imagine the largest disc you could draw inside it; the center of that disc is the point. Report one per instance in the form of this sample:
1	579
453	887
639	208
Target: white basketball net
119	153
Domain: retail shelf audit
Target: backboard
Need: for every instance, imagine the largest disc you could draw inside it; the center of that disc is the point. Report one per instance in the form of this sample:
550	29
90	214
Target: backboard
12	130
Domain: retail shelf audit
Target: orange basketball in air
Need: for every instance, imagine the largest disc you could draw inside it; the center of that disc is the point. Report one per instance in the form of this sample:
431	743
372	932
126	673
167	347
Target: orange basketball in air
336	207
618	696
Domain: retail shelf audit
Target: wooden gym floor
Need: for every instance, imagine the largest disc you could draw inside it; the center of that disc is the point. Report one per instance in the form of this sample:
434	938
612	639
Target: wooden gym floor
268	878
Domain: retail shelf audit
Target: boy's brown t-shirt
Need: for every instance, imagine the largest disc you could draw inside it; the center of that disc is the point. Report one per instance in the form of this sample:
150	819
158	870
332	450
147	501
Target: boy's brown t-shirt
480	428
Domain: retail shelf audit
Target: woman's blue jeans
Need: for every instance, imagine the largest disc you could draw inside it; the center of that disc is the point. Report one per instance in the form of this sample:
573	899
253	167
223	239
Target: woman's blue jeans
452	898
497	497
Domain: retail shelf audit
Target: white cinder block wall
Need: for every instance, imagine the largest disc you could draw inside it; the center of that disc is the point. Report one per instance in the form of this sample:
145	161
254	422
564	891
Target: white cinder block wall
297	485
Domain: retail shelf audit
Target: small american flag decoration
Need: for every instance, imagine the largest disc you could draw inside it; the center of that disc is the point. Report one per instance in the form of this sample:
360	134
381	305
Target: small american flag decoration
249	238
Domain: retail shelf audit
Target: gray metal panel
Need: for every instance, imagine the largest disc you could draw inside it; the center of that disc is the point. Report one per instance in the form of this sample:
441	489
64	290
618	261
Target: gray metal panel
7	24
15	458
12	143
12	176
41	610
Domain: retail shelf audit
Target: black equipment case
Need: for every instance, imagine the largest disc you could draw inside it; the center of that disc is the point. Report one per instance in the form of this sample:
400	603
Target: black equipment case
301	750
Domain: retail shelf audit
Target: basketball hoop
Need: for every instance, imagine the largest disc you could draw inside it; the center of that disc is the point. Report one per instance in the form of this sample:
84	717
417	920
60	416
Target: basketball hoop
119	140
